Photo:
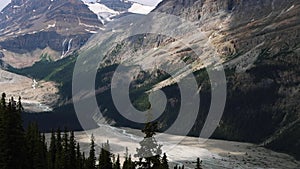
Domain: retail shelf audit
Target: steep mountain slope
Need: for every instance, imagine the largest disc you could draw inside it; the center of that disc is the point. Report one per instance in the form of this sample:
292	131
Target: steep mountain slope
36	36
244	24
258	43
31	28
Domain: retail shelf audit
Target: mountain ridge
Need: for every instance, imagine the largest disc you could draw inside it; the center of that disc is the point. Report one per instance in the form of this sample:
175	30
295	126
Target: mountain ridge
31	28
258	43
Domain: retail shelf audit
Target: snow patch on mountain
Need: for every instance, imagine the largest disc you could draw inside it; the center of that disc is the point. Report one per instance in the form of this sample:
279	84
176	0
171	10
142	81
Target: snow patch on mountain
147	2
106	13
103	12
140	9
3	4
99	8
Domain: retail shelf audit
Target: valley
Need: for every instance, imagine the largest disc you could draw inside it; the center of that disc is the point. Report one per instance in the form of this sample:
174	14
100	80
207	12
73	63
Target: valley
239	57
215	154
37	96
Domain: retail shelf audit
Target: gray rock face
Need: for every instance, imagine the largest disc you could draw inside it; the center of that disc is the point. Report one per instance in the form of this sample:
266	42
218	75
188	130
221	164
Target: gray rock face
40	40
259	44
117	5
204	9
260	40
248	23
29	25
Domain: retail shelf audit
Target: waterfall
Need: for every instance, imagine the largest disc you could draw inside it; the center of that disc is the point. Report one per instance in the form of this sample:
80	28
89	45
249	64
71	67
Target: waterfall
34	84
64	53
69	45
63	48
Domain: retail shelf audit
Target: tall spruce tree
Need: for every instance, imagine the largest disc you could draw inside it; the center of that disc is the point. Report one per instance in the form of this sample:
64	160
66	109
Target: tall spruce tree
128	163
84	161
198	163
79	158
59	148
91	161
44	151
36	153
12	138
72	151
17	135
164	162
117	164
4	135
105	157
149	151
65	151
52	151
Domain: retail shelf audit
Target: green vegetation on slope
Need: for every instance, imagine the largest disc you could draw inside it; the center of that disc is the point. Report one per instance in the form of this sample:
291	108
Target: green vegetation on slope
260	102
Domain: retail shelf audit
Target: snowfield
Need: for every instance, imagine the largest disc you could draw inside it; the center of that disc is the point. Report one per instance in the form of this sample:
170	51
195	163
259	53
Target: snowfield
105	14
99	8
140	9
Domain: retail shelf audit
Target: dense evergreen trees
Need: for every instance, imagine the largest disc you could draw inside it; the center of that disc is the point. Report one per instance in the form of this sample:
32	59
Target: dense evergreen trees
20	149
91	161
105	157
12	136
36	148
128	163
117	164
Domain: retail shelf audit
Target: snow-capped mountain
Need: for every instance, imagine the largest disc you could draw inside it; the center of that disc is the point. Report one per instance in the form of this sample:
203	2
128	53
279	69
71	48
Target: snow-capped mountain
31	28
104	13
108	9
140	8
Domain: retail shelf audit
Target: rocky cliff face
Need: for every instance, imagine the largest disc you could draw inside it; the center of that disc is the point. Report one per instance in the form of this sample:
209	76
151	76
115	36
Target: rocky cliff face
241	24
117	5
258	42
55	27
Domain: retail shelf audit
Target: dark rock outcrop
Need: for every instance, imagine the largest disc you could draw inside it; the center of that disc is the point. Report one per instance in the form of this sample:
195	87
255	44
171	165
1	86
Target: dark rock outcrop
117	5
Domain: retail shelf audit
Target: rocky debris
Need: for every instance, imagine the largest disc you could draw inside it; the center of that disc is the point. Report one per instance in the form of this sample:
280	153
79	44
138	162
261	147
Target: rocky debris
217	154
37	96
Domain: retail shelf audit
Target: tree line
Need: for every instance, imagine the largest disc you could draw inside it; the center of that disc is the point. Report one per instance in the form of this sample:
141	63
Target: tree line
28	149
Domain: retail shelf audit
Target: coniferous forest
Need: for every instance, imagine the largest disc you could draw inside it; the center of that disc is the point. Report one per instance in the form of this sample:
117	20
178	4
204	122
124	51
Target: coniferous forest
28	149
